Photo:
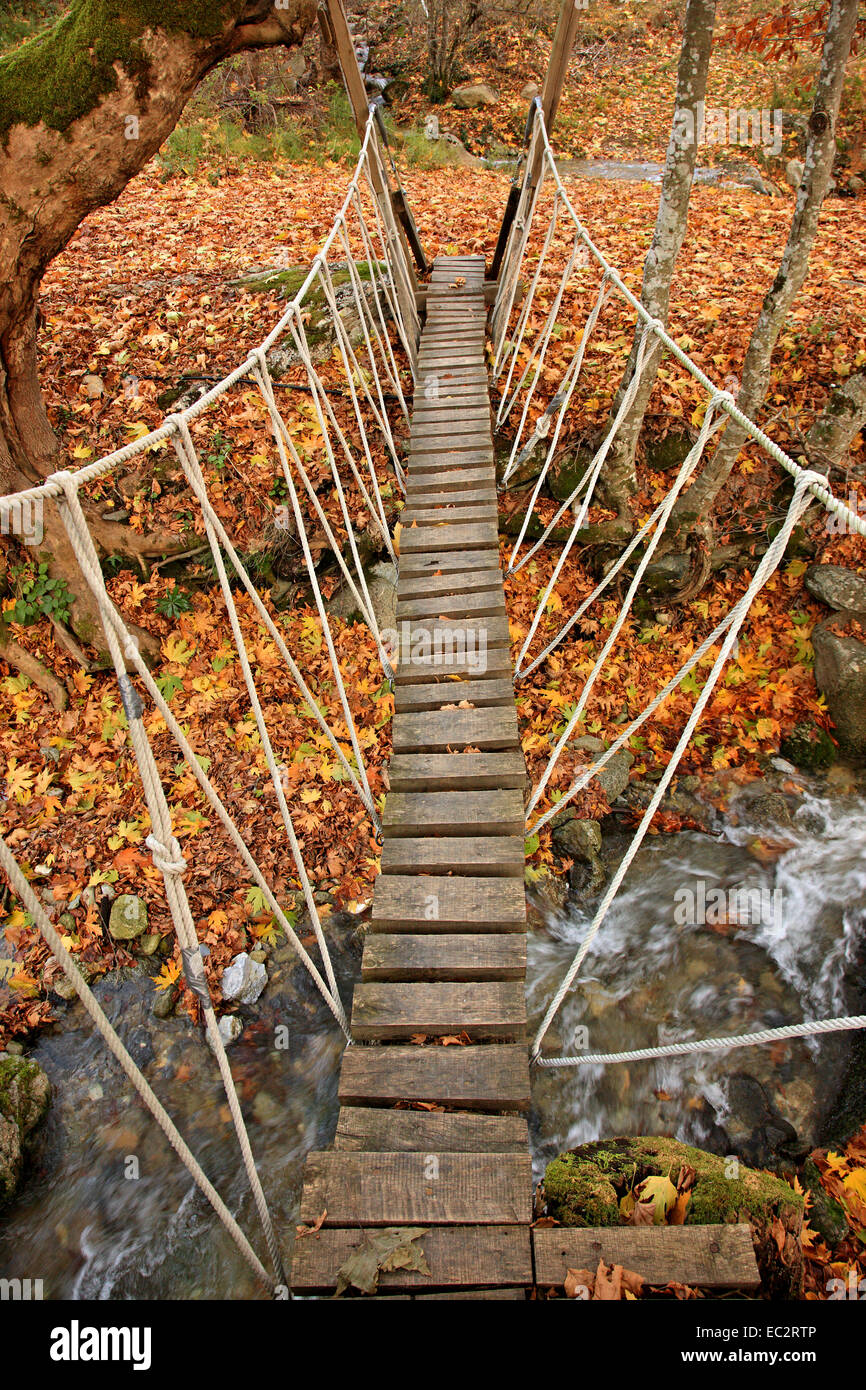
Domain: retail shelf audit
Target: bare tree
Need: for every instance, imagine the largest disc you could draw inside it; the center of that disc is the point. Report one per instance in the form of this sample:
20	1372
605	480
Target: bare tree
618	479
698	502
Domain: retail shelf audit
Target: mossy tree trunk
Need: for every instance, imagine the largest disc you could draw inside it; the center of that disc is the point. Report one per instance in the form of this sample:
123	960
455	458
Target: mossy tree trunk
83	107
618	477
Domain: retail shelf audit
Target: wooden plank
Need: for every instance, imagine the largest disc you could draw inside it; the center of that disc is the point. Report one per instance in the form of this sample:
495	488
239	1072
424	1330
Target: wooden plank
481	693
449	461
486	1295
460	773
434	731
429	1131
393	1189
450	638
449	562
492	1077
718	1257
451	482
436	440
448	587
492	665
494	856
476	536
425	493
469	956
403	1009
438	903
480	603
416	514
470	812
448	421
458	1257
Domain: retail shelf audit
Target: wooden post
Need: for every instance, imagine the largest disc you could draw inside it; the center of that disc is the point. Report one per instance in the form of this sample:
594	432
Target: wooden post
357	95
554	85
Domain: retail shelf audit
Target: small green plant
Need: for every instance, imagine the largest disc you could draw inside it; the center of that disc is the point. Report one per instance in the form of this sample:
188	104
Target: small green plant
220	450
40	596
173	602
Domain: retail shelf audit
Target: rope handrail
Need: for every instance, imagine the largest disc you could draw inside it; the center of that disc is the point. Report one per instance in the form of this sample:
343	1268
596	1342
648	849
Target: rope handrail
720	405
817	484
375	359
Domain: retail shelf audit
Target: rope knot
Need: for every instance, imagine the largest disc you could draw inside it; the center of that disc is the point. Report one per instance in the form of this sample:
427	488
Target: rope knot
66	480
167	858
721	398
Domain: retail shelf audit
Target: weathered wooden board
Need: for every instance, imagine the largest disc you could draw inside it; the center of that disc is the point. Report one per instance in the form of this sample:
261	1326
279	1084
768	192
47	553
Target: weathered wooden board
464	812
417	514
477	535
455	956
442	563
435	731
439	439
478	665
451	482
394	1189
495	856
492	1077
480	693
428	495
454	639
448	459
383	1010
458	1257
438	903
429	1131
498	773
717	1257
481	603
450	422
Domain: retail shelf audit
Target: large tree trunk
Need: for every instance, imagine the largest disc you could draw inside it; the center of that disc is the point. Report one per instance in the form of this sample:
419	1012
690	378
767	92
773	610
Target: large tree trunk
83	107
698	502
618	477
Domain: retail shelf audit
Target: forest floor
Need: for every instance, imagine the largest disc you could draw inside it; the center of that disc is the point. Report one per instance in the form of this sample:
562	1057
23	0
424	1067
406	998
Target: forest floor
143	297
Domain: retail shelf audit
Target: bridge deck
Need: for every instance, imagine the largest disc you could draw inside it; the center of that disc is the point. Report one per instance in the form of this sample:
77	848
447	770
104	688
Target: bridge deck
432	1132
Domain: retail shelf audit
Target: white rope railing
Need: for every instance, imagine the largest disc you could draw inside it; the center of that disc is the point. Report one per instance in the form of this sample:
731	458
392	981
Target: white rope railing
370	376
720	406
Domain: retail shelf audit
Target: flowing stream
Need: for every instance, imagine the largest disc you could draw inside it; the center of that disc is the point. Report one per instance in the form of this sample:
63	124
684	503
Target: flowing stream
108	1212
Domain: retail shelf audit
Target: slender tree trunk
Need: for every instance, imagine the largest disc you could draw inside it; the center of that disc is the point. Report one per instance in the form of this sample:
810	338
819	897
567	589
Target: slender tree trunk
83	107
698	501
618	478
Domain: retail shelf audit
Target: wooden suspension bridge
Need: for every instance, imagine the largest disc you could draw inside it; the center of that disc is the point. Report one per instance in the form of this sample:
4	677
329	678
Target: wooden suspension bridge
434	1136
431	1135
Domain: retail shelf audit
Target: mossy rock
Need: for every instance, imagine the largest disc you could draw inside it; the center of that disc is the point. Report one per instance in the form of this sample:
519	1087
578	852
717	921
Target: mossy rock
809	747
583	1187
25	1094
668	453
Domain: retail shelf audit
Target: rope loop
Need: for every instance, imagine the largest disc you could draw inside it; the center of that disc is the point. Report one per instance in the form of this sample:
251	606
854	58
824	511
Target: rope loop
65	479
167	858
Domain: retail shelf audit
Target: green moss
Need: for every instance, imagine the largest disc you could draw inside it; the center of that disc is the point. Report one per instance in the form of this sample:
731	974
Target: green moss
24	1093
62	73
583	1187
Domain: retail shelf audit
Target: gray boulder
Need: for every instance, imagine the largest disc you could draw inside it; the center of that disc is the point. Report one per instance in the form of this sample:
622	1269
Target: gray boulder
794	173
837	586
840	672
244	979
613	777
473	95
530	91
